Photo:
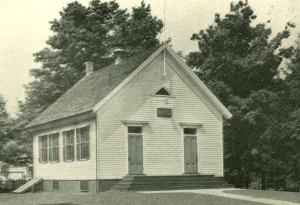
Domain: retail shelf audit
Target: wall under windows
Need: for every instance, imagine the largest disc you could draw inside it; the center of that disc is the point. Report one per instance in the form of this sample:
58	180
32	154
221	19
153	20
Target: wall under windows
66	170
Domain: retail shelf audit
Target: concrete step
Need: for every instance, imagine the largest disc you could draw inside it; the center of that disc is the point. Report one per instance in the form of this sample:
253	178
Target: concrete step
149	182
138	186
144	183
158	188
143	177
154	180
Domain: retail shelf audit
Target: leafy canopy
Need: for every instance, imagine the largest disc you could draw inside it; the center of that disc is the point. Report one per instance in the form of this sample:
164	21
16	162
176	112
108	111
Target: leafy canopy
240	63
82	34
233	52
85	34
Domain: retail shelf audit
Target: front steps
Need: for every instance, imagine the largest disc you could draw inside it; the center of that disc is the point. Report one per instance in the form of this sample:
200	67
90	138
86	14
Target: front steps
181	182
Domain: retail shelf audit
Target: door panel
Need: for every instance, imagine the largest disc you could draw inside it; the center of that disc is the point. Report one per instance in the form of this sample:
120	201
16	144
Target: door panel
135	151
190	154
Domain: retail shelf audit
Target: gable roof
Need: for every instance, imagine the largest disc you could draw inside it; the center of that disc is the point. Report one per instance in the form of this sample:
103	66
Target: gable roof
94	90
212	101
90	90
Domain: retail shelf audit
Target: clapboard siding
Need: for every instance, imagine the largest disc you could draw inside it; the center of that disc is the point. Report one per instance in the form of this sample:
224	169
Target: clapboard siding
66	170
162	137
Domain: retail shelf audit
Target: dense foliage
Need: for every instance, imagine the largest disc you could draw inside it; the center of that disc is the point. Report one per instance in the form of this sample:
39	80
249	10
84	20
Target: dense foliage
240	63
11	185
85	34
81	34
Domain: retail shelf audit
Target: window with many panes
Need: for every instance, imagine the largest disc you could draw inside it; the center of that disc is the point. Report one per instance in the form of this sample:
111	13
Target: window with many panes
83	143
54	147
43	149
68	145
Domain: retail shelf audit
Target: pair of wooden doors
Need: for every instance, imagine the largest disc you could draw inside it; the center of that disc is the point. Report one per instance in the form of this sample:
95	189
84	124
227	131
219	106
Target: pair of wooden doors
135	152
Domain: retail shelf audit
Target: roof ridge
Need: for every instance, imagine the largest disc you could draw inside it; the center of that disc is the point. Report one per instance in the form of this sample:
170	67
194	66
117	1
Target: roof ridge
125	60
58	109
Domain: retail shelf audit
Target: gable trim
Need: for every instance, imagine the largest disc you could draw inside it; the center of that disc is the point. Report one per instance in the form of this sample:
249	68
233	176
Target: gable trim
225	112
211	97
128	79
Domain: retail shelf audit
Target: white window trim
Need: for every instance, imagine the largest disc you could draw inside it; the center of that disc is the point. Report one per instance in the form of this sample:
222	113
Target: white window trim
134	123
75	140
190	125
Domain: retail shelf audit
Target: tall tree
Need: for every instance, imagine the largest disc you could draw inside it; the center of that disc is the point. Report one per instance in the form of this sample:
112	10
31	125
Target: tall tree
285	140
86	34
240	63
4	119
5	125
14	149
83	34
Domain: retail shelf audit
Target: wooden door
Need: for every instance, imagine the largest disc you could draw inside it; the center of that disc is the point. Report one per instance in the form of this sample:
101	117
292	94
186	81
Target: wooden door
190	154
135	154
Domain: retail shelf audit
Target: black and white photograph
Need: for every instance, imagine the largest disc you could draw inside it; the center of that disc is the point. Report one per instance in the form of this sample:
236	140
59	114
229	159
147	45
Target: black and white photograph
149	102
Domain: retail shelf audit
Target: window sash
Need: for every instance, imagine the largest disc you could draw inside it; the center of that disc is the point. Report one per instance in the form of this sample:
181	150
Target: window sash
134	130
54	147
190	131
43	143
69	145
83	143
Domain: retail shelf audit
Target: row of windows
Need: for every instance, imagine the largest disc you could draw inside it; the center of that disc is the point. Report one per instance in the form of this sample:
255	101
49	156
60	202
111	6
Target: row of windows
49	145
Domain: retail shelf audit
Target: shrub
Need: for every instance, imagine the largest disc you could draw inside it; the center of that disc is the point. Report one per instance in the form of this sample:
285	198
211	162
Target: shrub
11	185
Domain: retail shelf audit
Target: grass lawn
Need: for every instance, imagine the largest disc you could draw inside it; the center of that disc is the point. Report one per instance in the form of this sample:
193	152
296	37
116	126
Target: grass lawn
277	195
111	198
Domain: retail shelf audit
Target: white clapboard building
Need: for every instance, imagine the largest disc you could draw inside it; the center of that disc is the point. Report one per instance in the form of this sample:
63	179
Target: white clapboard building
143	123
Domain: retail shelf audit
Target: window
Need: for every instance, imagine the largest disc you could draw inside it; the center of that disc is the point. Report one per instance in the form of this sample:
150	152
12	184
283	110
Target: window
189	131
162	91
55	184
68	145
83	143
43	149
163	112
54	147
134	130
84	186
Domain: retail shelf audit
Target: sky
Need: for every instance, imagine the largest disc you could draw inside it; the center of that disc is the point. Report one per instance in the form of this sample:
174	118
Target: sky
24	29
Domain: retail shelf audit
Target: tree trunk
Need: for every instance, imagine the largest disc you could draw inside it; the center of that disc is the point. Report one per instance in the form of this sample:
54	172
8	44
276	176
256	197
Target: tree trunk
247	181
263	181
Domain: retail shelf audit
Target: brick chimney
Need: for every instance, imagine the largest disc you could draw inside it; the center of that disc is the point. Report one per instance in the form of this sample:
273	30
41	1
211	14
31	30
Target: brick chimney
89	68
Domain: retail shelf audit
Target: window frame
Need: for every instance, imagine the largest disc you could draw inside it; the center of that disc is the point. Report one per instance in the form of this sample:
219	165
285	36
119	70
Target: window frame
53	148
83	133
43	149
69	145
